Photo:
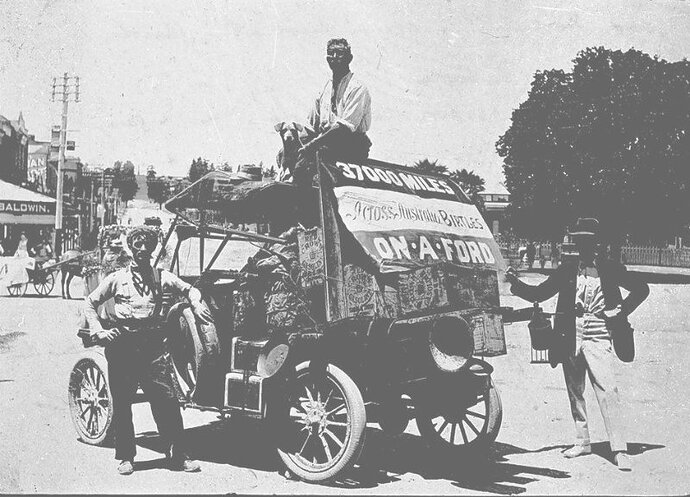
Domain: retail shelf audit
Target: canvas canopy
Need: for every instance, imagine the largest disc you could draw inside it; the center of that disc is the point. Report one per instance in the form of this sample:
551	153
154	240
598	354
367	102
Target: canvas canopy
402	218
238	198
21	206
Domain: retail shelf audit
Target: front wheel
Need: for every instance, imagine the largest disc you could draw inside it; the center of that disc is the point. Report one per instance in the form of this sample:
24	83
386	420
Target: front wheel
90	400
469	429
326	425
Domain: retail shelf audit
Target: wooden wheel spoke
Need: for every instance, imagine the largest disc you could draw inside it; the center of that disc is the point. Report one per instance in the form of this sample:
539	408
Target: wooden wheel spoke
304	445
475	414
337	423
463	432
96	419
85	411
452	433
474	428
443	427
309	396
333	437
328	398
336	410
90	423
326	448
92	377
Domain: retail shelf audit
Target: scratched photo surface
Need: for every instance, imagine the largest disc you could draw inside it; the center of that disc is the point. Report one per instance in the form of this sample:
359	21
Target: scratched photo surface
543	112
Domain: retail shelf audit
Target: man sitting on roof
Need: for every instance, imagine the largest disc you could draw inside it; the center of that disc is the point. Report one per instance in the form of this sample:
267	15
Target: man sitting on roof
341	114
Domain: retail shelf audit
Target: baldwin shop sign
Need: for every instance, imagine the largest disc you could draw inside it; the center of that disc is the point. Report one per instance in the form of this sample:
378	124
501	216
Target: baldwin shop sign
19	208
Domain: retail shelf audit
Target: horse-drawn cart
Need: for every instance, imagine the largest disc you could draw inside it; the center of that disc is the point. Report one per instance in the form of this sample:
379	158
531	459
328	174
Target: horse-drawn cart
18	272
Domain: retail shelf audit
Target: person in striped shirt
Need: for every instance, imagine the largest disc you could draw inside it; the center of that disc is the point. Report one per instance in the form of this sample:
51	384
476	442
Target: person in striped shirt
589	304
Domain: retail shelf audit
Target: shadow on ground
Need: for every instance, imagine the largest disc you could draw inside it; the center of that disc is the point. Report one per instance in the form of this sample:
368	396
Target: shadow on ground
385	459
8	338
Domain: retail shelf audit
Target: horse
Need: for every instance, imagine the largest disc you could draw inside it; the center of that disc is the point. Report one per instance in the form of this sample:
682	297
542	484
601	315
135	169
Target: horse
290	167
69	270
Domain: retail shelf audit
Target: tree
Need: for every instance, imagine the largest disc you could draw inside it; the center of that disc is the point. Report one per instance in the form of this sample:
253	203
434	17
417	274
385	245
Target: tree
471	183
125	180
158	190
427	166
199	168
610	140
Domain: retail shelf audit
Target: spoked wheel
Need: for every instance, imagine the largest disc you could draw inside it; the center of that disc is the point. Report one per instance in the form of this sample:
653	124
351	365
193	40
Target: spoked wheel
44	283
17	290
90	401
326	426
469	429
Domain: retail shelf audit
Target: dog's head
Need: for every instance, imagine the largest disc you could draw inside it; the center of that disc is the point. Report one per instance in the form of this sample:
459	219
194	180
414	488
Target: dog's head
292	133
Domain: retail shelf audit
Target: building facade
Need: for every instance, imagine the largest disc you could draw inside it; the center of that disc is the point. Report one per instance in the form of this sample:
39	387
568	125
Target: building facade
14	150
37	170
495	207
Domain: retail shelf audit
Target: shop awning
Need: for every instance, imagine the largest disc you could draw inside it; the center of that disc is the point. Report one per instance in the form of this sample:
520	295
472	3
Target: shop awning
21	206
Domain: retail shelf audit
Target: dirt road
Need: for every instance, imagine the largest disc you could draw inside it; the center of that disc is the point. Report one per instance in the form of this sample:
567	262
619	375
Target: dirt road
40	452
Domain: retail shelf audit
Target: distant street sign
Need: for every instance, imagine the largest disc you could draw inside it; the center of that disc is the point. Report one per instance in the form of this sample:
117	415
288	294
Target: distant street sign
70	145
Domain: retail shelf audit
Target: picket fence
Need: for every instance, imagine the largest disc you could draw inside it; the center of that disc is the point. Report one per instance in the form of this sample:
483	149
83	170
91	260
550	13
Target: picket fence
655	256
630	254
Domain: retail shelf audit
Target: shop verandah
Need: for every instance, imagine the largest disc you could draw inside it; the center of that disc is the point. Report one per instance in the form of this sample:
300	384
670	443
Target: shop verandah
33	214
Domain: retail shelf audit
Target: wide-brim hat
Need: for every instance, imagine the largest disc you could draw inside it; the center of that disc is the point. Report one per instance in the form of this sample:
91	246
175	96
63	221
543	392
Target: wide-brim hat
585	226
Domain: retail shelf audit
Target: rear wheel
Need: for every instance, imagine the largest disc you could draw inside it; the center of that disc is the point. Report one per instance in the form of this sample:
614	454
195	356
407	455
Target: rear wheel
17	290
326	426
468	429
44	283
90	401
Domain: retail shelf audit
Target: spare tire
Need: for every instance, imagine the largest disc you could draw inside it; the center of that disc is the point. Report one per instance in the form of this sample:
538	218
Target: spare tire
196	356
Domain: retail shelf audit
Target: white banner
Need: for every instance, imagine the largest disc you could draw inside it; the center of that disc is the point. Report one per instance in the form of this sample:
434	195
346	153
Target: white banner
372	210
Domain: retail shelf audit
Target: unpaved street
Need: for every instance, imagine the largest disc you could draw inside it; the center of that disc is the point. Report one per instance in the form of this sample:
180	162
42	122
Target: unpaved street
40	452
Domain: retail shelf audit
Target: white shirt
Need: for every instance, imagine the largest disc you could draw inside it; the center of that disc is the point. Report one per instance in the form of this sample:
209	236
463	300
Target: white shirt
352	106
591	297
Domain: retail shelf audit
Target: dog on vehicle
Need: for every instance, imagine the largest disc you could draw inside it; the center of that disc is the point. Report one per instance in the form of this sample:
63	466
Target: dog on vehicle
294	136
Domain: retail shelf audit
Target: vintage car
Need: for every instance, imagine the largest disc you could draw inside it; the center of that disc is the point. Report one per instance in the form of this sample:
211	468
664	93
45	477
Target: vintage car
384	313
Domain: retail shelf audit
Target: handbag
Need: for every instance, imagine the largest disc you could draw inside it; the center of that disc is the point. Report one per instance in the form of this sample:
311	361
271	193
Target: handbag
622	337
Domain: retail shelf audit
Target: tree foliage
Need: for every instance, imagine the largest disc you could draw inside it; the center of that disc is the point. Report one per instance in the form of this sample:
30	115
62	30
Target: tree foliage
608	140
431	167
158	190
198	168
125	180
469	181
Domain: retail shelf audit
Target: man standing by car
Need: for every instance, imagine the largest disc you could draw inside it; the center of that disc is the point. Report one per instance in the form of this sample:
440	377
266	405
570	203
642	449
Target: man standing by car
135	348
591	313
341	114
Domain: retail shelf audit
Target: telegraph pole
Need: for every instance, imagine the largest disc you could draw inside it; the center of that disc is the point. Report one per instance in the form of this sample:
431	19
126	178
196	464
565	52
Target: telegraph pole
66	90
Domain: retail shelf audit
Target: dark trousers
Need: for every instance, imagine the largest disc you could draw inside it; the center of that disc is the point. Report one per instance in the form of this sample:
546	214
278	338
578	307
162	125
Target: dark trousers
140	359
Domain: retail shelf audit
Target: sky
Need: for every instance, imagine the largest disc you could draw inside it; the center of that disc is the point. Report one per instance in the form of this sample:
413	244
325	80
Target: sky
164	82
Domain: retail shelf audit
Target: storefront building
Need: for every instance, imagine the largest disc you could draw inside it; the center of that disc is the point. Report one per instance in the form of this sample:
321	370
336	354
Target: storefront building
23	210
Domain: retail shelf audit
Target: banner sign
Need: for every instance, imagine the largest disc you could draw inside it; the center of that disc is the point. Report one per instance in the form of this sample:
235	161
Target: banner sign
402	216
19	208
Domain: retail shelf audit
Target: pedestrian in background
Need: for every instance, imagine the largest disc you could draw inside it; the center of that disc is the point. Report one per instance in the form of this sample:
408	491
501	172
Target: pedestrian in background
23	246
589	304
